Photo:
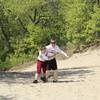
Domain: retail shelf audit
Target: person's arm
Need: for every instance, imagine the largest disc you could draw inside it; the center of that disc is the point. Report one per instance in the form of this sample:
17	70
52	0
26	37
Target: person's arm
61	52
44	57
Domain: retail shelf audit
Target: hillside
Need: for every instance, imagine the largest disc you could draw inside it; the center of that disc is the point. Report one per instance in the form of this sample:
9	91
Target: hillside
79	78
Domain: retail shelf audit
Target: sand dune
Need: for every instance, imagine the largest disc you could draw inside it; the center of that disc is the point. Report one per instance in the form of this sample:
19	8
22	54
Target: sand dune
79	79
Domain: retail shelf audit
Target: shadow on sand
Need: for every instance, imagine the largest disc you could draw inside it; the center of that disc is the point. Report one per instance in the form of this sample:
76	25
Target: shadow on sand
76	74
5	98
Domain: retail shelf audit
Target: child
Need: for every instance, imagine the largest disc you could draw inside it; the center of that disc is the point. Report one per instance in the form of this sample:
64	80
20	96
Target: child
41	65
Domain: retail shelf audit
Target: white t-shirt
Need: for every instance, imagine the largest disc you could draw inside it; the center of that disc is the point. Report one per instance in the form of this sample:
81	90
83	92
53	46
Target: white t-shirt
52	51
42	56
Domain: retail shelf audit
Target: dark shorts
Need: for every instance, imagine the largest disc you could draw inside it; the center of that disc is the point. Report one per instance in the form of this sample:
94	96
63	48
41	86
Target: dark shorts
51	64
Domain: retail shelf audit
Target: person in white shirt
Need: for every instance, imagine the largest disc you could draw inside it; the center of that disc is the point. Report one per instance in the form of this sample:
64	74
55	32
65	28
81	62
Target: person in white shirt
41	65
53	49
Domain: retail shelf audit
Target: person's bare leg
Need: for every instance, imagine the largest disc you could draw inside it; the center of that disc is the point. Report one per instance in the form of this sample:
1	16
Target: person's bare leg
49	73
37	76
55	75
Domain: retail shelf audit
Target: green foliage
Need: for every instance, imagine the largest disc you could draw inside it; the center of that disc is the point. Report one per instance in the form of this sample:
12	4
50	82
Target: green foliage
25	25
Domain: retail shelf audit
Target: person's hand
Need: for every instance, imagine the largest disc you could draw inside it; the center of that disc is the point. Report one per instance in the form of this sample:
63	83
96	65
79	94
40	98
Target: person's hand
67	56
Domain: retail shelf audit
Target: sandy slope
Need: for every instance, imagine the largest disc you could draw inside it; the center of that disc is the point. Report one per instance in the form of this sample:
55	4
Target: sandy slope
79	79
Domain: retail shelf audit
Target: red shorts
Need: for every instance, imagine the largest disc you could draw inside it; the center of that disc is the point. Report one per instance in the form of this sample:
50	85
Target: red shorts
41	66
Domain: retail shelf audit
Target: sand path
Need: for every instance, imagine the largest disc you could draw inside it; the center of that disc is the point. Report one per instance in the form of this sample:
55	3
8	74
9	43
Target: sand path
79	79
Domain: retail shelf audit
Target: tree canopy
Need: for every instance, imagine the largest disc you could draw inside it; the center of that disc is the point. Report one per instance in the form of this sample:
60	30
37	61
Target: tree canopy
25	25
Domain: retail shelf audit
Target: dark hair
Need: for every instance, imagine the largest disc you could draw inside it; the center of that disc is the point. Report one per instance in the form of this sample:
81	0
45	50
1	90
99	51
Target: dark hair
53	36
42	47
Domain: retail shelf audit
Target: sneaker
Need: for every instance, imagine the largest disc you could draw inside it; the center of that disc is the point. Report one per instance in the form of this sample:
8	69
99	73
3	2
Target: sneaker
35	81
54	81
44	79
